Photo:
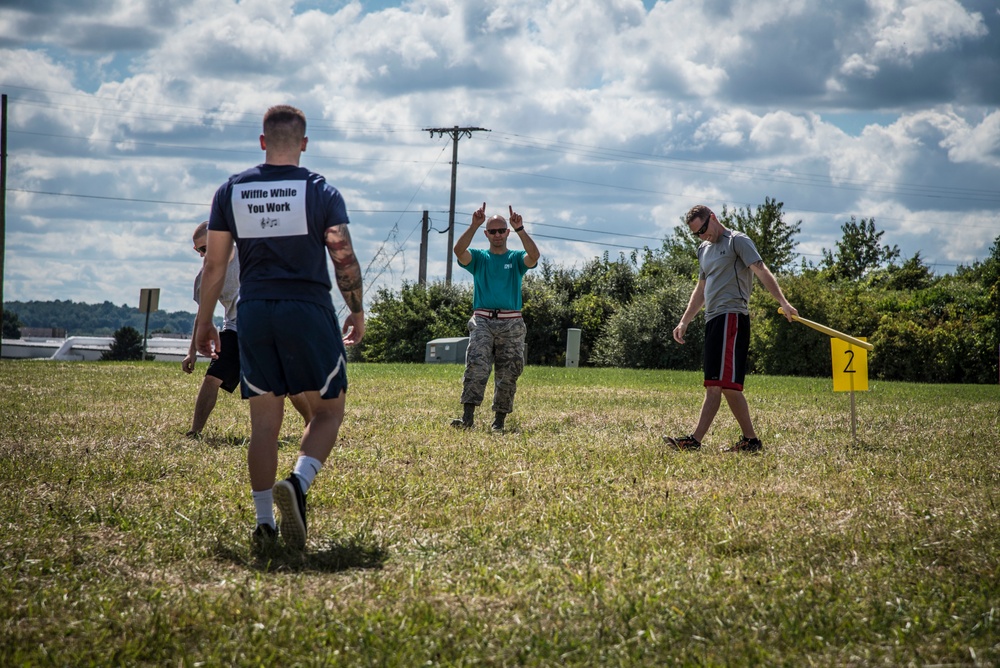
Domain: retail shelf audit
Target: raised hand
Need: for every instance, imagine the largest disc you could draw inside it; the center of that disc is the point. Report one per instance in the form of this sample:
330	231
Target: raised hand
515	218
479	216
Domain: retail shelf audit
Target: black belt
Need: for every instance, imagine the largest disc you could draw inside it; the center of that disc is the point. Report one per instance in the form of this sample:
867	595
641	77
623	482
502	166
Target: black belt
496	313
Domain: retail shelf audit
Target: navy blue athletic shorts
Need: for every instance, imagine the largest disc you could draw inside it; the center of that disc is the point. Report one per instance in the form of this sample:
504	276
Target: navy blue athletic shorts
226	367
289	346
727	343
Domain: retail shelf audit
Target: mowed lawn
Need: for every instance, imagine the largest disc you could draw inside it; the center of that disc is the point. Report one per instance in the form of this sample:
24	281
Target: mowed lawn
574	539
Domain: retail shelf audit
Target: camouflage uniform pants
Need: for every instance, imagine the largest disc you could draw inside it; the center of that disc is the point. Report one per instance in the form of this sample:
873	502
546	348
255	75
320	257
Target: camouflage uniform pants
499	342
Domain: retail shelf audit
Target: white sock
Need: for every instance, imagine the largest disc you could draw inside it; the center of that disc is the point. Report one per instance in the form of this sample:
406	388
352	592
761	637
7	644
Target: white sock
264	503
306	469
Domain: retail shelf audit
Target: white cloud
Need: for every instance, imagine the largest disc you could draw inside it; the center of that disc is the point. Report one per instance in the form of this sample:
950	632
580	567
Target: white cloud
782	132
903	30
974	143
856	66
729	128
909	28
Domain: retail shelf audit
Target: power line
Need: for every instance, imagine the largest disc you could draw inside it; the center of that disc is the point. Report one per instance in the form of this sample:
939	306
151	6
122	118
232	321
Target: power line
698	165
252	118
596	152
662	193
171	202
393	211
393	235
511	139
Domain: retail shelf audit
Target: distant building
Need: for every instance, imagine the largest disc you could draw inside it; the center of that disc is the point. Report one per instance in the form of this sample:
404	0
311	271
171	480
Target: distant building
43	333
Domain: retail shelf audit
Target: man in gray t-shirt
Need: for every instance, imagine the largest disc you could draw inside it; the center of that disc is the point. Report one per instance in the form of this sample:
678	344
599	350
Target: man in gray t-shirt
729	261
224	371
725	268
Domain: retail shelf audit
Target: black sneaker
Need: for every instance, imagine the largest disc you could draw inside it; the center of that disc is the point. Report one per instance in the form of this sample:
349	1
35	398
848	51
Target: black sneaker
748	445
683	442
291	503
459	423
264	538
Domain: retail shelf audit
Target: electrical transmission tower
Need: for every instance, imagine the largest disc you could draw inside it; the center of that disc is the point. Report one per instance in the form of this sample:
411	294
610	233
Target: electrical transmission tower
455	133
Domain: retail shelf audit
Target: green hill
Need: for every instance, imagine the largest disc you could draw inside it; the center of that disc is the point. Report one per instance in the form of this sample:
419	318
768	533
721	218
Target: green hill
80	319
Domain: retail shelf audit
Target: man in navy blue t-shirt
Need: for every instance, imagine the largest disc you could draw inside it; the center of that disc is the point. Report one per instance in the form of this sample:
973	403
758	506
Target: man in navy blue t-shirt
284	220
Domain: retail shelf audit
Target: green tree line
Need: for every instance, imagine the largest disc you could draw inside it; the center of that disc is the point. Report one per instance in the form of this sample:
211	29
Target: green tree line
925	328
80	319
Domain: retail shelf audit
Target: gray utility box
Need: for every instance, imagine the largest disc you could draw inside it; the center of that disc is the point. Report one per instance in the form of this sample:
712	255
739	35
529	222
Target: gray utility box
446	351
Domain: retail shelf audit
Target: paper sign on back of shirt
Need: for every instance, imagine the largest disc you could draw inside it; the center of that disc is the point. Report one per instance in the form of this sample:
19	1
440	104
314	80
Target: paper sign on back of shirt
270	209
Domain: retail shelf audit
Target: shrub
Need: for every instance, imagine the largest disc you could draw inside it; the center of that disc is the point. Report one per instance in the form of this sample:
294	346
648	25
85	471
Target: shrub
400	326
547	316
126	347
590	313
11	325
780	348
640	334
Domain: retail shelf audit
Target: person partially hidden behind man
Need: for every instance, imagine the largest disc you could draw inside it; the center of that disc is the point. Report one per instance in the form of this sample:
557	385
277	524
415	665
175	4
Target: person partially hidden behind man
224	371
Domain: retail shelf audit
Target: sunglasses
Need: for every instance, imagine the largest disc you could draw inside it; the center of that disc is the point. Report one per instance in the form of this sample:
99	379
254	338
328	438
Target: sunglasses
497	231
703	228
201	249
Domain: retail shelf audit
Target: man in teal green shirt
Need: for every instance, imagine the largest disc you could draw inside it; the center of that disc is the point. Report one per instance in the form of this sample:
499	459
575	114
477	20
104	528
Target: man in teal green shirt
496	329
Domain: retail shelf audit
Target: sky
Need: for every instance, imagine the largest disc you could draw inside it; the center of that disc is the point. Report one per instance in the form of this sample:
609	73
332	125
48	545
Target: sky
602	122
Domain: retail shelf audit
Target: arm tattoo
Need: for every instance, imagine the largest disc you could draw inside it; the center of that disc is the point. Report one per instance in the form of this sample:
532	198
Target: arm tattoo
346	266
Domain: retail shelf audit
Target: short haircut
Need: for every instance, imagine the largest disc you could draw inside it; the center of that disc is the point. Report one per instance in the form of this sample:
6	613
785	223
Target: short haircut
201	230
699	212
284	125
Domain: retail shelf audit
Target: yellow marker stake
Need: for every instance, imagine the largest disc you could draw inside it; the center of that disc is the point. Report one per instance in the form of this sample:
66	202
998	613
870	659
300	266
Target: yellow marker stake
850	374
829	331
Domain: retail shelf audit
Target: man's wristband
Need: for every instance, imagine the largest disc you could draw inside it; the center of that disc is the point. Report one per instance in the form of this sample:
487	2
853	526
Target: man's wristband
518	229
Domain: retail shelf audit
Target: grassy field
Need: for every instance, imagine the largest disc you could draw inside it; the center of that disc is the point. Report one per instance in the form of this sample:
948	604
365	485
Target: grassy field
574	539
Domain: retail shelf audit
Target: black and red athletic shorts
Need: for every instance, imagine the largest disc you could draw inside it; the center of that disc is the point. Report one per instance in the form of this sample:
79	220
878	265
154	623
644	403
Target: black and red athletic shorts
727	343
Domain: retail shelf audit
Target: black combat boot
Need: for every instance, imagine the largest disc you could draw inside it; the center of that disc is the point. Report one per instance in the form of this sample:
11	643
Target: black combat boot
467	419
498	420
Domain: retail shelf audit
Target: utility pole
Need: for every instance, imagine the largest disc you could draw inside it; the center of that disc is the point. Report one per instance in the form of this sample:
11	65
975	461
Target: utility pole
422	271
3	192
455	133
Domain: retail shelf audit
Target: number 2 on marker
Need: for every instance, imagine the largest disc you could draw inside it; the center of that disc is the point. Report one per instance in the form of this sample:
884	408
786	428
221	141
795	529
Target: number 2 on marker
850	361
851	374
